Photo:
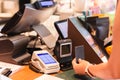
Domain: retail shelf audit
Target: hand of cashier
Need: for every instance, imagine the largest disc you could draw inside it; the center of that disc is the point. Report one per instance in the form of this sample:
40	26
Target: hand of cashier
80	67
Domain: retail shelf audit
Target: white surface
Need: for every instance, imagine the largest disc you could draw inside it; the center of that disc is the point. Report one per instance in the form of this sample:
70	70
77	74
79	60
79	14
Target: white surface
13	67
48	77
2	77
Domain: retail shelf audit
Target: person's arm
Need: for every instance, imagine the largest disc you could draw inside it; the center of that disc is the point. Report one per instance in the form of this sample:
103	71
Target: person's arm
100	70
111	69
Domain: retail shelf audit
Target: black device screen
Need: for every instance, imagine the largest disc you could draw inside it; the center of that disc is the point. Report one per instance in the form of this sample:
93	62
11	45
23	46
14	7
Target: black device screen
66	49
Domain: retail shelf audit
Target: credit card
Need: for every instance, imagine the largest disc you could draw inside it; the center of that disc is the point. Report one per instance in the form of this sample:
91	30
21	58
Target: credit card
79	52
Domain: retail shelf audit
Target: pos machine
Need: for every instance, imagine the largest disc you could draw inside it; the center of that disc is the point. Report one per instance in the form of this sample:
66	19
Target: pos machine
44	62
63	48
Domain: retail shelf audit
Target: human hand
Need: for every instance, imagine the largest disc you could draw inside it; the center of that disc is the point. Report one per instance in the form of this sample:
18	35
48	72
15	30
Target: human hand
79	67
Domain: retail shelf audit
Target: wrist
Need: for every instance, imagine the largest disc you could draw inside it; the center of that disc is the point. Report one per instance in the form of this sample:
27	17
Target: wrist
87	71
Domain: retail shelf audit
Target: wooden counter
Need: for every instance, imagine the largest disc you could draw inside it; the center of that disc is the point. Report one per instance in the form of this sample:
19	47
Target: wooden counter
25	74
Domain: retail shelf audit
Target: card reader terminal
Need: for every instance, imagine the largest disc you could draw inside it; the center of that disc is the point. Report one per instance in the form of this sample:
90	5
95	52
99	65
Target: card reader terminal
63	52
45	62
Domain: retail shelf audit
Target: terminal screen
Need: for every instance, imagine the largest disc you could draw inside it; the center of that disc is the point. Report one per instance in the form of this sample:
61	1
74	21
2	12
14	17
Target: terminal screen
46	58
65	49
46	3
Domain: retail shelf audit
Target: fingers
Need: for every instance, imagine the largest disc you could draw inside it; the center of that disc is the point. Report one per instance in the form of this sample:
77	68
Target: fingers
74	60
79	68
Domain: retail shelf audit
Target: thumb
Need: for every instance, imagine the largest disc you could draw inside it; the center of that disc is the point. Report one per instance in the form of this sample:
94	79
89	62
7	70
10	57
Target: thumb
79	60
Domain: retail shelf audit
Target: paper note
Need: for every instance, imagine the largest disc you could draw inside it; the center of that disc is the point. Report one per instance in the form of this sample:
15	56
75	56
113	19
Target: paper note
48	77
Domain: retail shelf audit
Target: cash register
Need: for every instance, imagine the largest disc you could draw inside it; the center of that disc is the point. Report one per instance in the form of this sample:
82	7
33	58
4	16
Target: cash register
23	20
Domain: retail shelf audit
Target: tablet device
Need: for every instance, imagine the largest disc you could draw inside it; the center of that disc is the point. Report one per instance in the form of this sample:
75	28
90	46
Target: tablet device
62	28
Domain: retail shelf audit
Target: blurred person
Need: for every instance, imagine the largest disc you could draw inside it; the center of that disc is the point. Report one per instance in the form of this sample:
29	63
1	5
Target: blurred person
110	69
